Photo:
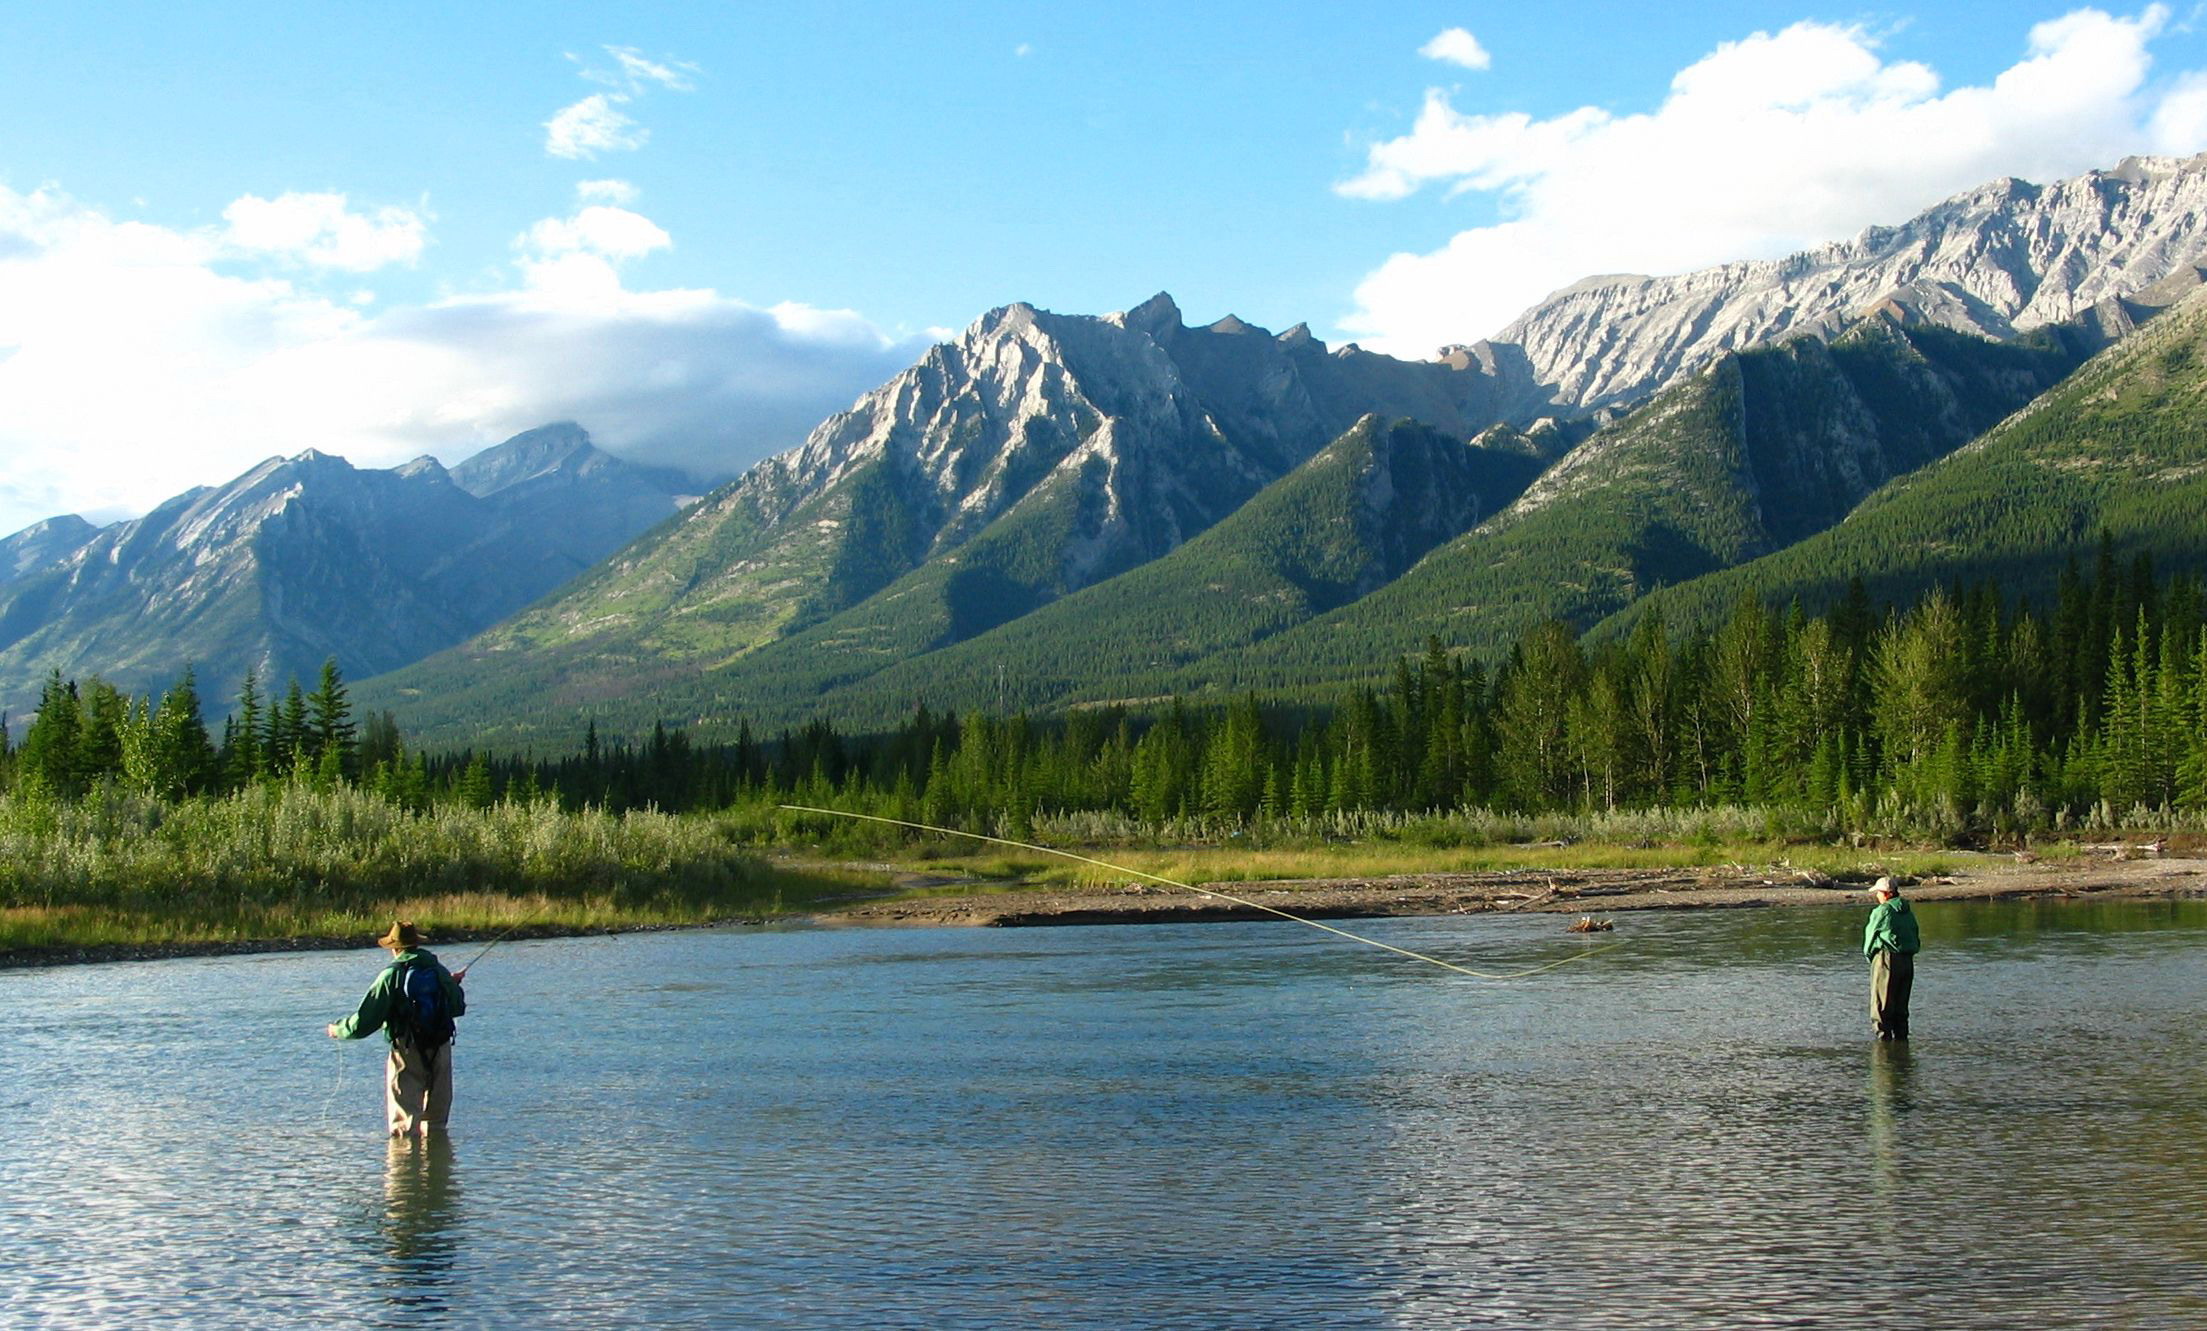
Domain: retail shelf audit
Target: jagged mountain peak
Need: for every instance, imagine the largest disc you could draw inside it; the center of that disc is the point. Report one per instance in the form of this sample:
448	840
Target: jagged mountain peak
562	445
1158	316
1997	261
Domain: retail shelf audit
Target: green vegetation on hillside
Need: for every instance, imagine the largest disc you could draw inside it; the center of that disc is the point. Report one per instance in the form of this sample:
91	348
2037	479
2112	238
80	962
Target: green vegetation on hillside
2119	448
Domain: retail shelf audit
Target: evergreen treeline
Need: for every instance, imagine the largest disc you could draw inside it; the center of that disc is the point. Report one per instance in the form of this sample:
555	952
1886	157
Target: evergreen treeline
91	736
1961	713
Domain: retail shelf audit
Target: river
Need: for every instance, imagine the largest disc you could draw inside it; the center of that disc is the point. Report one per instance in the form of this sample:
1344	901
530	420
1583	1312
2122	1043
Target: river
1222	1125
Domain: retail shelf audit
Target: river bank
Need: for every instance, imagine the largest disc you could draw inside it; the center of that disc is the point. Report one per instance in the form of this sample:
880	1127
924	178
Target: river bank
917	899
1557	891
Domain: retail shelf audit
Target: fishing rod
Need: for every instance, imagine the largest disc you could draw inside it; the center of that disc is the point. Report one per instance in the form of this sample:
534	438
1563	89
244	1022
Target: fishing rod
541	908
1210	892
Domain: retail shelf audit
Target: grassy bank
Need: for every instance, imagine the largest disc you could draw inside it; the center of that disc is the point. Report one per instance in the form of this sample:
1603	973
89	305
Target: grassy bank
116	874
283	861
1365	845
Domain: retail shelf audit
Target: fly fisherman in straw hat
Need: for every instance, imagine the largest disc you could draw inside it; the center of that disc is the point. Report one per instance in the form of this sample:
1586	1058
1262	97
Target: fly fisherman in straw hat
413	1000
1890	942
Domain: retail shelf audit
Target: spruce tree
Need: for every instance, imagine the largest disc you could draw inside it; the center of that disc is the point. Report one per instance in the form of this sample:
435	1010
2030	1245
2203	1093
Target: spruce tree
49	758
248	758
330	727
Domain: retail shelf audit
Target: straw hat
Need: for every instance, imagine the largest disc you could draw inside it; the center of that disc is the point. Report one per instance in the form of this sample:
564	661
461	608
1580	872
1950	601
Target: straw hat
403	935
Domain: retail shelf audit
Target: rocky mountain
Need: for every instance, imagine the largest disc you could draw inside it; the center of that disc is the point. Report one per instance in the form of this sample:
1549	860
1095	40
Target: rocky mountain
41	544
1996	261
1039	455
1035	455
1345	523
1753	454
1750	455
2119	448
307	557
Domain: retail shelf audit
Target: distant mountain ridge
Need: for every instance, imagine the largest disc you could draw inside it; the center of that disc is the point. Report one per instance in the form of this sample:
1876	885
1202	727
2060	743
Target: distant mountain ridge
1127	504
1996	261
307	557
1035	455
1042	454
2119	448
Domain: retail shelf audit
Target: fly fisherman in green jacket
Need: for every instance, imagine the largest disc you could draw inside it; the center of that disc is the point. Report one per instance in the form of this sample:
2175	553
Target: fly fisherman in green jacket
413	1001
1890	941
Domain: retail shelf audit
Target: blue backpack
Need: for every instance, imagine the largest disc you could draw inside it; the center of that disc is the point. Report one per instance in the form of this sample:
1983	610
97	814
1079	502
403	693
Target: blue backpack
419	1013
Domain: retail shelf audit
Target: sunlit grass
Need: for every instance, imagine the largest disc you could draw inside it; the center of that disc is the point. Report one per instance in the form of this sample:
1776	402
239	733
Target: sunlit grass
996	871
285	862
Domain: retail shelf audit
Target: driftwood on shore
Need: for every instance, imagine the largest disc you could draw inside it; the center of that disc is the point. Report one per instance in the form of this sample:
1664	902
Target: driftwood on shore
2122	850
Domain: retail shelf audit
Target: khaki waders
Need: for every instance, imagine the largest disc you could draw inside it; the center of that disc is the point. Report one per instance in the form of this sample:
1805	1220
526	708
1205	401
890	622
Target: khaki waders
417	1087
1892	975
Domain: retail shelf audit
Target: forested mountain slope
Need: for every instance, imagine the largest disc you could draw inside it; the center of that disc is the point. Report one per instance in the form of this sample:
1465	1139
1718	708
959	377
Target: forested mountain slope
1345	523
1753	454
2119	447
1036	455
1042	454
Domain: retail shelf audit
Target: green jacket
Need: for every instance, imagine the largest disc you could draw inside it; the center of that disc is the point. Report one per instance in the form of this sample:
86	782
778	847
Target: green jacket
1892	928
375	1009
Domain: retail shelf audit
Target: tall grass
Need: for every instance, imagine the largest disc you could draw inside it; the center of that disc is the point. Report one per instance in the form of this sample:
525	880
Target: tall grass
284	860
1379	843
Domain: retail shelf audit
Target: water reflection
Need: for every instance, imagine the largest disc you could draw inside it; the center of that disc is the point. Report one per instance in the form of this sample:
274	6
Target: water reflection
421	1221
1228	1125
1892	1097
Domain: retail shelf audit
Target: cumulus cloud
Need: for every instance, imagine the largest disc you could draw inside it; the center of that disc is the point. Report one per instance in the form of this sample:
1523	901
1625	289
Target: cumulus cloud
1456	46
579	257
1770	144
594	125
2180	121
605	191
323	231
136	361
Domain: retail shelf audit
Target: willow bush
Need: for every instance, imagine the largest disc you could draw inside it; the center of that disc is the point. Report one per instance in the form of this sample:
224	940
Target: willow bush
286	844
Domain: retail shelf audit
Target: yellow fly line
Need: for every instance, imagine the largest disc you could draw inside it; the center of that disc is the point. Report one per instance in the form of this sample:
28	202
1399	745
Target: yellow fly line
1210	892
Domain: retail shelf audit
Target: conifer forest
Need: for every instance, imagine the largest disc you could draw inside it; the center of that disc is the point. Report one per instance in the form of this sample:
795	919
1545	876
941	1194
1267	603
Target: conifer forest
1963	717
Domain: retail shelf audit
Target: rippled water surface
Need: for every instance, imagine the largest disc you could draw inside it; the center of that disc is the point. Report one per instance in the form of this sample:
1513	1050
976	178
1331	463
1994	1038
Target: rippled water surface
1203	1126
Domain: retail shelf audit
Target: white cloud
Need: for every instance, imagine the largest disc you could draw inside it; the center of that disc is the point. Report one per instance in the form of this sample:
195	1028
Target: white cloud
1771	144
579	257
594	125
601	229
637	71
606	191
633	71
2180	121
597	123
323	231
135	362
1456	46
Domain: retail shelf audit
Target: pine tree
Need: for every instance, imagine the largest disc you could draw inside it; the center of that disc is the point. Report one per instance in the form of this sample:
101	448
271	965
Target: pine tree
48	761
474	789
287	732
183	759
330	728
1532	717
1918	687
247	758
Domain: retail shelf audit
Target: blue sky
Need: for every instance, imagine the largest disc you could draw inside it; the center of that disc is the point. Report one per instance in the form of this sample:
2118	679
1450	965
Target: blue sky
234	230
